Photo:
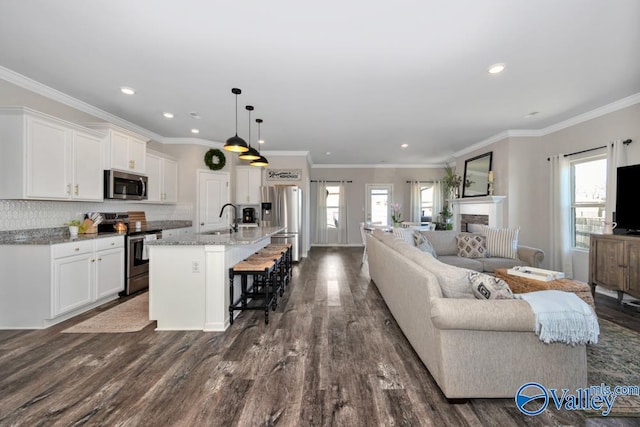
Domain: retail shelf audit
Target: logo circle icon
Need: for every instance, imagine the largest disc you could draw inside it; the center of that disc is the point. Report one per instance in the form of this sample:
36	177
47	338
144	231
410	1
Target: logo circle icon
532	398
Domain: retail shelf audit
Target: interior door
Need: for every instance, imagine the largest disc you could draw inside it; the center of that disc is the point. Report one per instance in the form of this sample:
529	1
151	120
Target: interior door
213	193
378	205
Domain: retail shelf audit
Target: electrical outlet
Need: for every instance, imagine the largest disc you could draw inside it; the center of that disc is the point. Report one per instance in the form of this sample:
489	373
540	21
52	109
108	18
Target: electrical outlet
195	267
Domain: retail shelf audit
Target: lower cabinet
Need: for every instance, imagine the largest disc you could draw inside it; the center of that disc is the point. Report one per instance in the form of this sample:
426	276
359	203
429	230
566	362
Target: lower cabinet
177	232
614	263
85	272
41	285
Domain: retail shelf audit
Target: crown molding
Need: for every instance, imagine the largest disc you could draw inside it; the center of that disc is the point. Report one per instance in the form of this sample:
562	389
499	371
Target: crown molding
48	92
192	141
284	153
573	121
375	166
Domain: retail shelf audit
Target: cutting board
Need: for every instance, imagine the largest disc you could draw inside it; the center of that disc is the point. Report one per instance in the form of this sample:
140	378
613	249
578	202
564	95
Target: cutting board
137	216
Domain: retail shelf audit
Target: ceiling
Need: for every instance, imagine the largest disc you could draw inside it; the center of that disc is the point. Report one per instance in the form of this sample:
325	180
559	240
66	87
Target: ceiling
354	78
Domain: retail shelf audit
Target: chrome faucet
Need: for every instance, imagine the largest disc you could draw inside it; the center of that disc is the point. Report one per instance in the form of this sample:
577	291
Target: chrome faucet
234	227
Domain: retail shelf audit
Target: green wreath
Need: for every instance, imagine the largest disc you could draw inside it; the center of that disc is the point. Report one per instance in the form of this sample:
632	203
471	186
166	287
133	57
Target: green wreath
214	159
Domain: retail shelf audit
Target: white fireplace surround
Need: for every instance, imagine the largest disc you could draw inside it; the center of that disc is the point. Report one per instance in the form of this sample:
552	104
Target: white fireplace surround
492	206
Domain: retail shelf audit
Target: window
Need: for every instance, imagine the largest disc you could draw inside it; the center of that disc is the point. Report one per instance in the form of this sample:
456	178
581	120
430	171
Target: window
378	207
426	203
588	197
333	206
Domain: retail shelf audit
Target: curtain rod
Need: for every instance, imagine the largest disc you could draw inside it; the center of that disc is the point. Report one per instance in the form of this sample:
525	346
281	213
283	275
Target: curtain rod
344	180
421	182
625	142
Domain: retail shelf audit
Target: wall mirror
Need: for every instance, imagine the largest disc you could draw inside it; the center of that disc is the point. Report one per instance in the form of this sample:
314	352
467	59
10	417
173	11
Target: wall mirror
476	175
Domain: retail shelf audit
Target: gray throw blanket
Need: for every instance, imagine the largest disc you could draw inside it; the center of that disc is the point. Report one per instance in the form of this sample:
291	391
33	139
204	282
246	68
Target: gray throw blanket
562	317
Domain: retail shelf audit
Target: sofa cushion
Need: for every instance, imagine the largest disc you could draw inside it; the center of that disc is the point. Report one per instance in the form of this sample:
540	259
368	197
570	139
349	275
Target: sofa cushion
471	246
443	242
474	264
423	244
453	281
502	242
405	234
489	287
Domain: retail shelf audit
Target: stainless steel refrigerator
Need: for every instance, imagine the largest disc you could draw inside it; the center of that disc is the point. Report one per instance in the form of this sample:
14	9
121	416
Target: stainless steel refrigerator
281	205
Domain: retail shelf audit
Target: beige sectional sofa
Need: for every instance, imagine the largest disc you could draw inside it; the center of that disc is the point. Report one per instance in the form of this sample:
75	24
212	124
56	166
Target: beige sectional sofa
445	245
472	348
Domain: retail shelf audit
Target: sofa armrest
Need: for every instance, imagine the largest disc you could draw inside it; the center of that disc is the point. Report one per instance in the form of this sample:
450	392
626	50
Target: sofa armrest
482	315
532	256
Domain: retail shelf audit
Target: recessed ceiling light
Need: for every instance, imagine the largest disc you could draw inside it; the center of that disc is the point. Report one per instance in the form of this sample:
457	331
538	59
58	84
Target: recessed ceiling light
404	145
531	114
168	115
328	153
127	90
496	68
195	130
261	141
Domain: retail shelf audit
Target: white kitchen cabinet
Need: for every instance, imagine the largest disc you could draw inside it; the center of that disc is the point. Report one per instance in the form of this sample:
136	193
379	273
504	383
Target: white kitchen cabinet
124	150
109	266
58	281
162	173
177	232
248	181
48	158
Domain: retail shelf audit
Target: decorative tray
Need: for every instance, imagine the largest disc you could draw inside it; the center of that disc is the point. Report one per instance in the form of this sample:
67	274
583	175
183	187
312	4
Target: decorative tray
536	273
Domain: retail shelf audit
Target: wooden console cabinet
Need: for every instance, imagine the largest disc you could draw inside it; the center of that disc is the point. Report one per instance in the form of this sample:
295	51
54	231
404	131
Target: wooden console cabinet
614	263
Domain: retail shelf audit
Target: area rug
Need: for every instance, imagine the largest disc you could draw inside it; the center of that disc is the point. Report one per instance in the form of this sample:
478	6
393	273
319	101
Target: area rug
130	316
615	360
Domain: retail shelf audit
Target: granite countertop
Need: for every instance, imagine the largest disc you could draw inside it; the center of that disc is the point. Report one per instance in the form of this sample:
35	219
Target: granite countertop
168	225
244	236
22	238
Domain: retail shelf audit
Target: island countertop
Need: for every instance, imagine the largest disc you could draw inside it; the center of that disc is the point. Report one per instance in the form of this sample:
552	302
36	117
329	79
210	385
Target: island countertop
244	236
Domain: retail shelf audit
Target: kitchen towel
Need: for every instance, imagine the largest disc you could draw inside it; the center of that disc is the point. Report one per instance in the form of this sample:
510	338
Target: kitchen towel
145	247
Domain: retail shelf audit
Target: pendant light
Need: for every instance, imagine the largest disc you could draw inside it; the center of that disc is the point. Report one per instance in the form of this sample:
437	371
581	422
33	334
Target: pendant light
252	153
262	161
235	143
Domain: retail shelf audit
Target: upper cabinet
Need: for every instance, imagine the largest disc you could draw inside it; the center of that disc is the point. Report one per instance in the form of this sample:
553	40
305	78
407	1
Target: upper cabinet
124	150
45	158
248	181
162	172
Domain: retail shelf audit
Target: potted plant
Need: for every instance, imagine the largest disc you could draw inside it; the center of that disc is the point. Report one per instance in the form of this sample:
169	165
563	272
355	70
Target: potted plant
396	214
446	215
73	225
451	182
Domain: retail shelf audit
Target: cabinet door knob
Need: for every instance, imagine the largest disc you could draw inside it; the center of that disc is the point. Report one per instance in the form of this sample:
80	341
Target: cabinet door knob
77	189
202	223
99	259
69	189
76	249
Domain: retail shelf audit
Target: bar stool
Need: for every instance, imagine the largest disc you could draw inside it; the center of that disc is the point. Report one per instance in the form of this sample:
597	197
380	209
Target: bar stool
287	247
285	269
261	271
278	281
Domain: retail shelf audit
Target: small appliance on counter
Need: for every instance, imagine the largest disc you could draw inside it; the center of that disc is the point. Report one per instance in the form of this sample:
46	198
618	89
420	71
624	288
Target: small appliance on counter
248	215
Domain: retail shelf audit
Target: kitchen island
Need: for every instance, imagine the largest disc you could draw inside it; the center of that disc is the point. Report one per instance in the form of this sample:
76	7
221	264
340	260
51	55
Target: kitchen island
189	276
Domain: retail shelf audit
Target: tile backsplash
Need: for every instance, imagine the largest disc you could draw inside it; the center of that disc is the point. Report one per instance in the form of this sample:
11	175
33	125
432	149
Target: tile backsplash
27	214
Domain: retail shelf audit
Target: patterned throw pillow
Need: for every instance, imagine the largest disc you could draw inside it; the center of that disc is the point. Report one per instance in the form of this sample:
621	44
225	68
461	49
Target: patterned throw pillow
471	246
502	242
489	287
405	234
423	244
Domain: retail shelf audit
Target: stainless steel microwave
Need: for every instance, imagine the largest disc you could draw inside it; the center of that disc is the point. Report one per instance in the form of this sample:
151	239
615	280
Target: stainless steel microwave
124	186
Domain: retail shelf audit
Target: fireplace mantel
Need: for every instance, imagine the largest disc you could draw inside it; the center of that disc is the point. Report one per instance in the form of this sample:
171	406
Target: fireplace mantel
493	206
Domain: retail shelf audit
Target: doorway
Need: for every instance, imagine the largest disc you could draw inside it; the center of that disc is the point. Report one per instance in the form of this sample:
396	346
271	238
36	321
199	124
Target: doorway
378	205
212	193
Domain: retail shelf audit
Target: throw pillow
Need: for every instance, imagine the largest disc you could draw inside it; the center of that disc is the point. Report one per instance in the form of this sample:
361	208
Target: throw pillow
423	243
471	246
489	287
502	242
405	234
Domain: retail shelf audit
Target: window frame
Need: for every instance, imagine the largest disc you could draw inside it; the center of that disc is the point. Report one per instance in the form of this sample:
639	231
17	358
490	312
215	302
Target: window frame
332	207
573	205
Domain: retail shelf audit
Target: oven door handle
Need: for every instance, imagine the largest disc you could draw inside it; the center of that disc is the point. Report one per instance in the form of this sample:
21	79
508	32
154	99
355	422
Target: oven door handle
136	238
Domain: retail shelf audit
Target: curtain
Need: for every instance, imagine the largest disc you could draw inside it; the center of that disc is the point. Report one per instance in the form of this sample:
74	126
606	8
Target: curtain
560	215
321	232
616	157
438	200
343	236
415	202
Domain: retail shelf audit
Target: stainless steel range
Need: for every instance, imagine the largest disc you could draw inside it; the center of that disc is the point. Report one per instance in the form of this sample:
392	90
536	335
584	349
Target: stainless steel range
136	271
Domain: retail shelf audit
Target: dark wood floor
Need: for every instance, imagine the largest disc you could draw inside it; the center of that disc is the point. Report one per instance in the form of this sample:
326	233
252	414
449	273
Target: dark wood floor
331	355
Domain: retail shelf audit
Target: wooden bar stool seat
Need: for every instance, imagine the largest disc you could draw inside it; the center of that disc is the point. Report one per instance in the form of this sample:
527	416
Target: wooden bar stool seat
262	271
280	276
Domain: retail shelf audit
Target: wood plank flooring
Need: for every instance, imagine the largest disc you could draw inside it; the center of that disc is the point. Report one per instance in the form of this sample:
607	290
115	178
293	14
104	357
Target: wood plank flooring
332	354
